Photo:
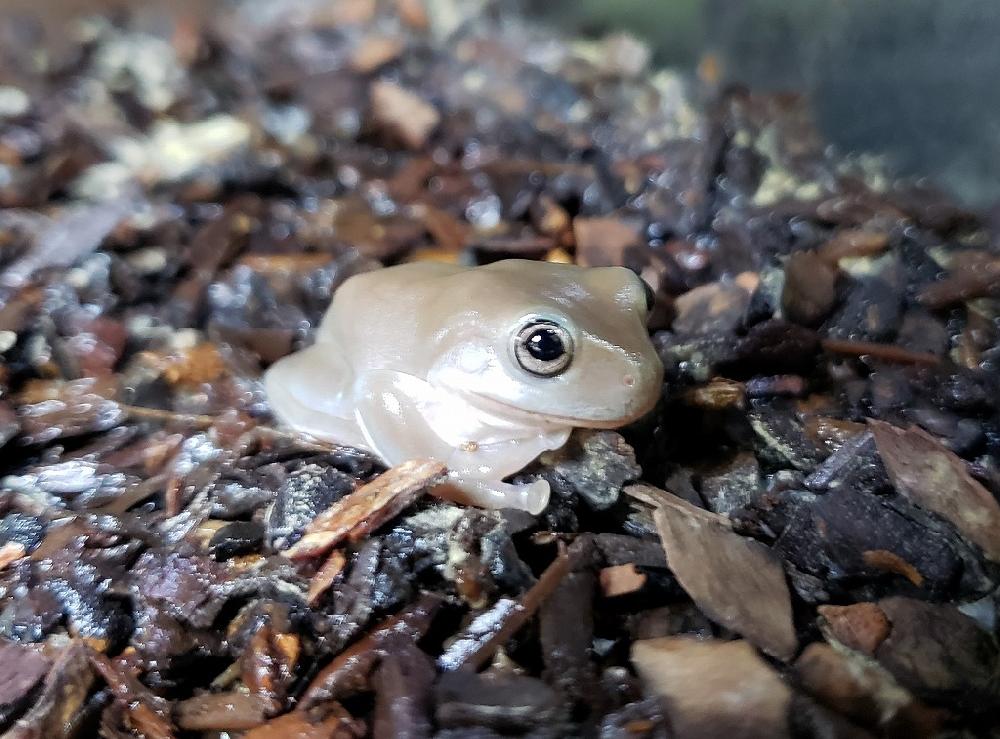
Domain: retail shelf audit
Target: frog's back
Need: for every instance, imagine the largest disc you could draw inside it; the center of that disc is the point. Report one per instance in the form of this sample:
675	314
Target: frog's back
379	319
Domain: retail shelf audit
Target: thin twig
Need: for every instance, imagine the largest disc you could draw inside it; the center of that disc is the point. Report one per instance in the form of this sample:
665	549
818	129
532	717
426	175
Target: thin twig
886	352
158	414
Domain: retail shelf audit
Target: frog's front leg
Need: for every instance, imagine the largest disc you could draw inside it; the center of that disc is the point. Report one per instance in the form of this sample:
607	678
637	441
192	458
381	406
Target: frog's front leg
532	497
392	412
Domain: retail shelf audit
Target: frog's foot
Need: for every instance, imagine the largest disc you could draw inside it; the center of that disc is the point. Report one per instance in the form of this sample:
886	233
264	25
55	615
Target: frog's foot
532	497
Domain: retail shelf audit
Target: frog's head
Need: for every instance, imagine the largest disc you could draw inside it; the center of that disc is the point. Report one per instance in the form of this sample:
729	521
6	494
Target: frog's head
556	343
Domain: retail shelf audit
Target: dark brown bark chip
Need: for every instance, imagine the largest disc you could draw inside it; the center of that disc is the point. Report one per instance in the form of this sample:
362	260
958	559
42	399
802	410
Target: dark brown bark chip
9	423
304	493
810	289
50	410
934	478
56	713
733	485
403	684
566	631
239	537
21	670
498	701
827	535
147	714
860	626
772	347
965	283
327	721
855	465
221	712
810	718
184	586
858	688
871	310
941	655
350	671
781	437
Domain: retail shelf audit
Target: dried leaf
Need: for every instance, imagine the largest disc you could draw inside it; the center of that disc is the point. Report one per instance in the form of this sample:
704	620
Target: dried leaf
691	677
736	581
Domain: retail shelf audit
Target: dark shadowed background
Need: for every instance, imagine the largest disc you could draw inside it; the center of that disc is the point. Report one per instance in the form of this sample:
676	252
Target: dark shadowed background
913	80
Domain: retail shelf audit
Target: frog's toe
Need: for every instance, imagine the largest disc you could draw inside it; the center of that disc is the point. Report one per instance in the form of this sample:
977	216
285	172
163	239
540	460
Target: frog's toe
532	497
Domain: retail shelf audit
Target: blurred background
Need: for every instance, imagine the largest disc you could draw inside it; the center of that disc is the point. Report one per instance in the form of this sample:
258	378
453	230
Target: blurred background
914	81
910	81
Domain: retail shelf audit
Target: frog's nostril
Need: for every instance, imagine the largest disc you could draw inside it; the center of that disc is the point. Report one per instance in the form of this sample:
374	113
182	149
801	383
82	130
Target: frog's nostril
629	380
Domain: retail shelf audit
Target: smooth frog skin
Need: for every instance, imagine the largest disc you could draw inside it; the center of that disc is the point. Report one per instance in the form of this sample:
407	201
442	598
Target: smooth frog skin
439	360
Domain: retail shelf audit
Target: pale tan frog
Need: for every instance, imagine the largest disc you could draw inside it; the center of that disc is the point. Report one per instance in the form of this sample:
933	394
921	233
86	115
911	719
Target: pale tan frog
483	368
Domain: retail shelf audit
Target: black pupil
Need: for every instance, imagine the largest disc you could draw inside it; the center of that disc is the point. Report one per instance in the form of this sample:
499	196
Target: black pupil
545	345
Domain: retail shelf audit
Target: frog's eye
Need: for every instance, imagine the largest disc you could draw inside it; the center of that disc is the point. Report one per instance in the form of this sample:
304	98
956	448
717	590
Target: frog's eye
543	348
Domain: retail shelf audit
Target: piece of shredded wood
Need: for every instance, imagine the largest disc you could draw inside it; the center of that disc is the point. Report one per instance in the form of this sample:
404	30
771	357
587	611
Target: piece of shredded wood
326	575
621	580
134	697
327	721
141	413
136	494
403	113
859	626
361	512
10	553
350	671
476	646
229	711
882	559
969	281
375	51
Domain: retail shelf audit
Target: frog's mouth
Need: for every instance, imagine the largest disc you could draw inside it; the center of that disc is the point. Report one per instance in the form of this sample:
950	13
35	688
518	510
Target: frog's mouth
515	413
